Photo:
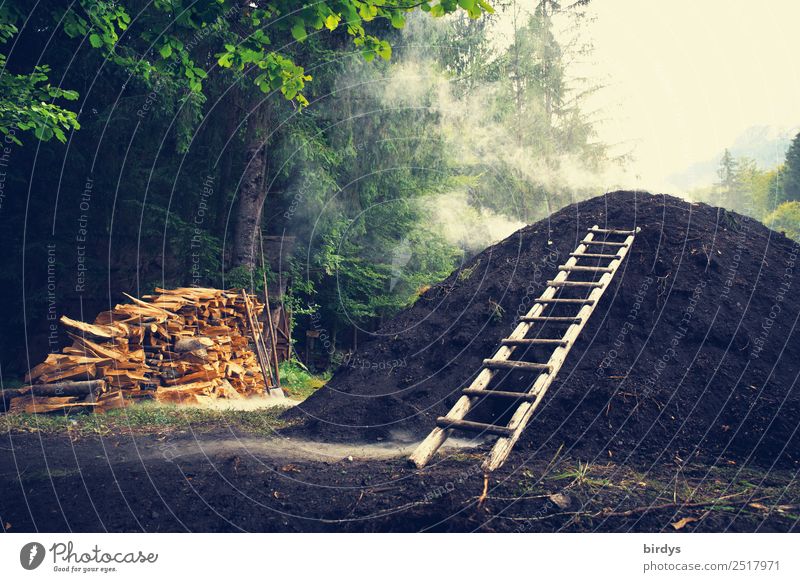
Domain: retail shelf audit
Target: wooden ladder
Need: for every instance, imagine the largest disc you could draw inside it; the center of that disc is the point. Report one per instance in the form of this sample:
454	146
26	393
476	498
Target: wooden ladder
545	373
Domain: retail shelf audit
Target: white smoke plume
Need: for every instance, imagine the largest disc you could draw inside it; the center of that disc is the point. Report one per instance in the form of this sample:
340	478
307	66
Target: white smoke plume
465	226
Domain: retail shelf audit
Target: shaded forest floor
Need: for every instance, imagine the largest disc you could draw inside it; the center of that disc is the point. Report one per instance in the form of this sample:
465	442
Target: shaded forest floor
234	471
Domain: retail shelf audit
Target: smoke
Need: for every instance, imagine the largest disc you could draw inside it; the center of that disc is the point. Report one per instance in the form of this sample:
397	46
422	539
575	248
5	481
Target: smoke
501	175
505	182
463	225
400	258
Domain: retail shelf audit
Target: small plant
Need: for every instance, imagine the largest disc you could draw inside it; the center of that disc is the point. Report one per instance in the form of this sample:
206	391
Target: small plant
497	310
580	476
467	272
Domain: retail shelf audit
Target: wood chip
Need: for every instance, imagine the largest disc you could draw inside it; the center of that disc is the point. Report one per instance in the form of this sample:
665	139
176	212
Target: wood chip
683	522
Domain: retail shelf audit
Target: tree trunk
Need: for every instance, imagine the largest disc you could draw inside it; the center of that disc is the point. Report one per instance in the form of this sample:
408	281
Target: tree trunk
252	193
231	118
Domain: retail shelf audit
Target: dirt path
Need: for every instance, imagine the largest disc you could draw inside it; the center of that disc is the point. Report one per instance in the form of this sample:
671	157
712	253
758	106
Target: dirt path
293	449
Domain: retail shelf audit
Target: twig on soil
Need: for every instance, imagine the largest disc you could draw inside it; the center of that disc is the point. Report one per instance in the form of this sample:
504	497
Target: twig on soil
353	509
383	513
645	509
520	498
628	512
544	517
485	492
371	490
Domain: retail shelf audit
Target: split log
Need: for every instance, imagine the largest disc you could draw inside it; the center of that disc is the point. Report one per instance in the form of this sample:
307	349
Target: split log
88	371
96	349
193	343
57	389
99	331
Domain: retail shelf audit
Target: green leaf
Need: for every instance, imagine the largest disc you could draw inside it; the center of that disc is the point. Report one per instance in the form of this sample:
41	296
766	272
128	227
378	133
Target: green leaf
398	19
43	133
332	21
165	51
368	11
225	60
384	50
95	40
472	8
486	6
299	31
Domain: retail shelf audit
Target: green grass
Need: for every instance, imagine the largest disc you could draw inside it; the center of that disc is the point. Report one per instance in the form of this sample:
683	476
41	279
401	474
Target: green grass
146	417
299	383
581	476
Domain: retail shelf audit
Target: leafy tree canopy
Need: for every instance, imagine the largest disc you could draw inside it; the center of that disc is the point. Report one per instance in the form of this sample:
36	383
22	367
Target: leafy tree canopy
180	42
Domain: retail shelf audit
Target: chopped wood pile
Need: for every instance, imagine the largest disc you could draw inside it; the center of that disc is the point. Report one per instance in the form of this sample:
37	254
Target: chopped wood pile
182	345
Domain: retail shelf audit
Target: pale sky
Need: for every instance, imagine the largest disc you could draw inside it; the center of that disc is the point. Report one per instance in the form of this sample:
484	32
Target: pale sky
685	78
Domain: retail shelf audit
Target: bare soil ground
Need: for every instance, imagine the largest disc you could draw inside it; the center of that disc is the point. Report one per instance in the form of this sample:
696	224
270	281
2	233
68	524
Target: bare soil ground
224	476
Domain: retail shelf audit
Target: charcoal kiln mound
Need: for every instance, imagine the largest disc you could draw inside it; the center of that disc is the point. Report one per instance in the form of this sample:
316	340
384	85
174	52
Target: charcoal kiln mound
693	349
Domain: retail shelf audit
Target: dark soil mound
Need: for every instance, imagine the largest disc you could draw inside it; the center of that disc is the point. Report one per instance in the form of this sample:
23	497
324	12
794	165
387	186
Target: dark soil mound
692	350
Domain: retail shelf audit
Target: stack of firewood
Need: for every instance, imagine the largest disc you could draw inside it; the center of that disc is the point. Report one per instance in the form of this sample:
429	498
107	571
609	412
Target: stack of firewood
182	345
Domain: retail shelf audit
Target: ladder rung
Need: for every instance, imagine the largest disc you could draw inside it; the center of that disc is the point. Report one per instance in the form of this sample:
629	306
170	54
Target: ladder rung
581	268
594	255
517	365
445	422
555	319
532	342
574	284
604	242
500	394
612	231
560	300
